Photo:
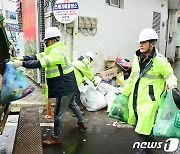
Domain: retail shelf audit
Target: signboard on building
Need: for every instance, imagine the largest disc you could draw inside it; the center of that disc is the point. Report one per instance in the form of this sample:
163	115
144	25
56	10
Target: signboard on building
29	15
11	27
65	11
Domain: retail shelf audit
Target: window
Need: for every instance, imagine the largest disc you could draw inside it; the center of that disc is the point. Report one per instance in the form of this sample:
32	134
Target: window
10	15
156	24
7	14
115	3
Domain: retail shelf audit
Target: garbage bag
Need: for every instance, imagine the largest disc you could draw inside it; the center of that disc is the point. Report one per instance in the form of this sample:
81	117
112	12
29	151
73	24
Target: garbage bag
176	97
110	97
15	85
87	84
119	108
104	88
168	118
93	100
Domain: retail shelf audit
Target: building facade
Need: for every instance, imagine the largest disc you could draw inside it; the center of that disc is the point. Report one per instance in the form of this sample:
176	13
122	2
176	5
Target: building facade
8	9
111	28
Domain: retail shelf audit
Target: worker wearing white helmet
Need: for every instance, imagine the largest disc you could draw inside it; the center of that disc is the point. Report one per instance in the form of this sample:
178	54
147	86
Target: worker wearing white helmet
83	68
150	72
51	32
60	79
147	34
90	55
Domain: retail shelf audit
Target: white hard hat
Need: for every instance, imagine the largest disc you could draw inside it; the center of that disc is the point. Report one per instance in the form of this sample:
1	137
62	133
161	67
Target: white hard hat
90	54
51	32
147	34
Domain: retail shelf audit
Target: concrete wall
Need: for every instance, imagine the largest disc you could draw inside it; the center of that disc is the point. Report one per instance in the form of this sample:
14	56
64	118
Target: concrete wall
178	35
118	29
172	35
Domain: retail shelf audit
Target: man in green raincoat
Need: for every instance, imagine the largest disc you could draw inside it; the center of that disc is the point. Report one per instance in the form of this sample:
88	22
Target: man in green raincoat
60	79
82	68
151	74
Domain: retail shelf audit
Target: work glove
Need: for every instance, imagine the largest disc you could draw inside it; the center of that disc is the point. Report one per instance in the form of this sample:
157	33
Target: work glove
17	58
95	83
85	83
16	63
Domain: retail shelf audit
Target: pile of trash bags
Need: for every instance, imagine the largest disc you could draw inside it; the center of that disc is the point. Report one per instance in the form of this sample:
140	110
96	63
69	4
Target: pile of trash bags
96	98
15	85
104	95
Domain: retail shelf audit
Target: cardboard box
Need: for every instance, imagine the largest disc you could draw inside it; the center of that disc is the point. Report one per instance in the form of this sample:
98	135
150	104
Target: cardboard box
108	73
112	63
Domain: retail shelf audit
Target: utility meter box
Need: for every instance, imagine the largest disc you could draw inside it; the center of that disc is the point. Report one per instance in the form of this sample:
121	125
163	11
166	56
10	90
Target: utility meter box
93	23
80	22
87	22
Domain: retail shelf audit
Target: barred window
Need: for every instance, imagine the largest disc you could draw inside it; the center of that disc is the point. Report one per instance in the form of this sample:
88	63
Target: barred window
115	3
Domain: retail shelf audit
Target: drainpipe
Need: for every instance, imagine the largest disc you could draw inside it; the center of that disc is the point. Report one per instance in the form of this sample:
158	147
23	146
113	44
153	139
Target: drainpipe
75	32
167	34
65	33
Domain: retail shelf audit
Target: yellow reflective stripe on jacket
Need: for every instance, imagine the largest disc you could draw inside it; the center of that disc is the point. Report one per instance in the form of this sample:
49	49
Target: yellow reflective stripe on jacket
67	64
67	67
46	61
150	76
64	56
52	71
56	70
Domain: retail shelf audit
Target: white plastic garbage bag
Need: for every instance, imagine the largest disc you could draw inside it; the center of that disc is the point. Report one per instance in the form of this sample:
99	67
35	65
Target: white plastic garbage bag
110	97
93	100
89	84
104	88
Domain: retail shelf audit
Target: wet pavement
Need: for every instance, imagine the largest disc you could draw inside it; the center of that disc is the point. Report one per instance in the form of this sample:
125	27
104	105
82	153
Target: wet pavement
103	136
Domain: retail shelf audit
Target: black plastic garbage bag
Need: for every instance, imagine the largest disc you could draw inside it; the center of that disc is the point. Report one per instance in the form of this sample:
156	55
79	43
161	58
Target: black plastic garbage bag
176	97
15	85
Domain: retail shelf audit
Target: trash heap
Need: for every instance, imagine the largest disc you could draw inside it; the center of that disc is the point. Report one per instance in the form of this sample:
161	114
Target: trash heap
110	81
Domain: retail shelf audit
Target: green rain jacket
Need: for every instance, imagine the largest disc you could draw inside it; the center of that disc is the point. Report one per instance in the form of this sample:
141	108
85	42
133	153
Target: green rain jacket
83	68
144	88
59	70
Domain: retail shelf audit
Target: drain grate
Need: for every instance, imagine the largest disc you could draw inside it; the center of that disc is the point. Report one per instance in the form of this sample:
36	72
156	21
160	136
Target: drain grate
28	134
